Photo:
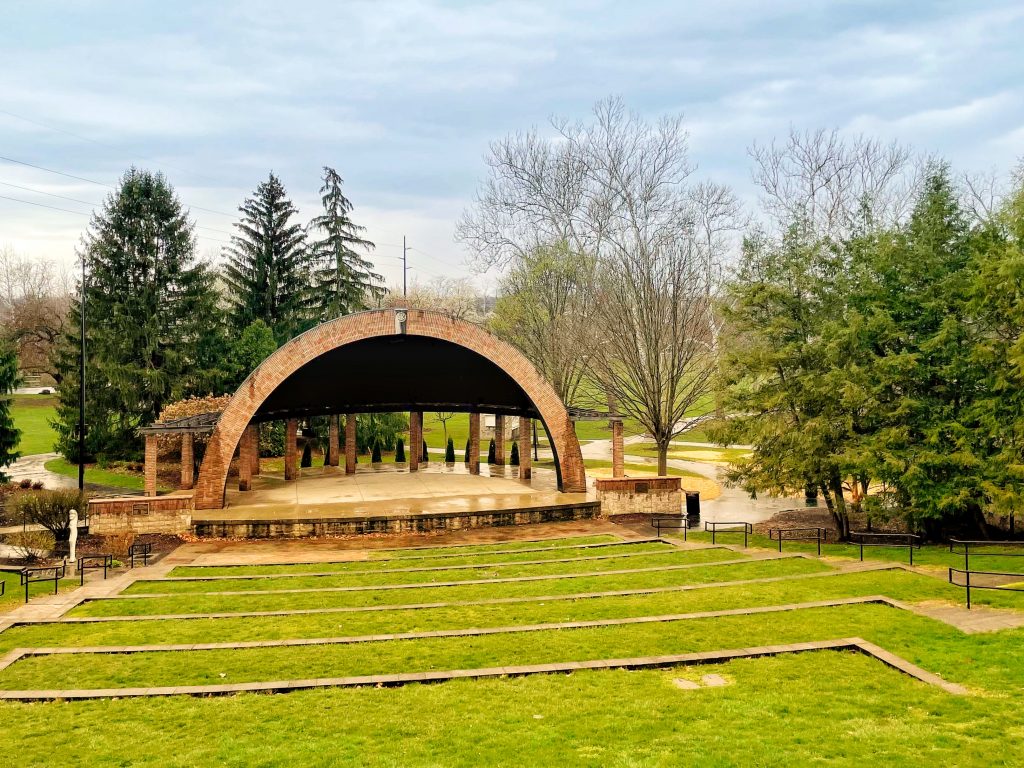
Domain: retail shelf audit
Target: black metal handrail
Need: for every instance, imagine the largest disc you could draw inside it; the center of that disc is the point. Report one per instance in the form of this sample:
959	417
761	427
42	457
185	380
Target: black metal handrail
94	562
141	549
968	546
908	541
999	587
38	573
729	527
679	522
799	534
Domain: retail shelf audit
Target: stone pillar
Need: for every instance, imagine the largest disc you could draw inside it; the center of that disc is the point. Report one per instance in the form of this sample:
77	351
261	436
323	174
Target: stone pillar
525	469
332	441
499	440
474	443
151	451
618	470
187	463
415	439
245	450
291	448
350	444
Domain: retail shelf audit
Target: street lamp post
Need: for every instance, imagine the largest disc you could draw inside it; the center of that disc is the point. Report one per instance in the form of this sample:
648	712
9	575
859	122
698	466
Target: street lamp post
81	393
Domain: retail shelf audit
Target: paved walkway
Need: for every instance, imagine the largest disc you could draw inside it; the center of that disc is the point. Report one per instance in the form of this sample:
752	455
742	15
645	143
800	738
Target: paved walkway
32	468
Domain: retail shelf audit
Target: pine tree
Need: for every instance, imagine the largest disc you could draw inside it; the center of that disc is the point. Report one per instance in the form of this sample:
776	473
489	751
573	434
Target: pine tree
513	457
375	455
467	452
492	455
148	305
268	271
426	454
344	279
307	455
400	451
449	452
9	434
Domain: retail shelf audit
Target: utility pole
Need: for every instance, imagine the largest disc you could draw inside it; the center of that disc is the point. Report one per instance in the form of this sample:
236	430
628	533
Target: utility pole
81	393
405	268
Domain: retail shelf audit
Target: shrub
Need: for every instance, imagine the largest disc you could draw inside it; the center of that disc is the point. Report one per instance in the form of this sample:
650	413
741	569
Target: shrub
307	455
466	459
25	484
513	457
449	452
492	455
399	451
50	509
426	454
375	456
30	545
37	485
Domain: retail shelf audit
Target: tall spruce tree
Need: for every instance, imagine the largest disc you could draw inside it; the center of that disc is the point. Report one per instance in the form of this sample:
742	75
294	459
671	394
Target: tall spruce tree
344	278
148	304
268	271
9	434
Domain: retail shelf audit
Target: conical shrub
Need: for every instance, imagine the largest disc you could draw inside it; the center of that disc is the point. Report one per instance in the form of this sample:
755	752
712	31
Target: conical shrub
400	451
426	454
307	456
513	457
449	452
466	459
492	453
375	456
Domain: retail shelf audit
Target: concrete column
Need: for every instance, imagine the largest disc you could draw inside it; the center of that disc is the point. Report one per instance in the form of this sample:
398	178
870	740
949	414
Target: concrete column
350	444
415	439
499	440
474	443
332	441
151	451
618	470
245	462
187	462
291	448
525	469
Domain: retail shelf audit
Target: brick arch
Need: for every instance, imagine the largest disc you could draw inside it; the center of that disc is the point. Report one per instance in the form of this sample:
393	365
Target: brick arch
210	487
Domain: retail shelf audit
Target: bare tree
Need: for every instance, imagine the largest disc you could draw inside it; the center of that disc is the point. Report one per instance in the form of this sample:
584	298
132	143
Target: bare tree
34	301
456	297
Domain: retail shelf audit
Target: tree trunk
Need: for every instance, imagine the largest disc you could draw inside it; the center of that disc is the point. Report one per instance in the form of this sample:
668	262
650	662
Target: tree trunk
840	516
663	457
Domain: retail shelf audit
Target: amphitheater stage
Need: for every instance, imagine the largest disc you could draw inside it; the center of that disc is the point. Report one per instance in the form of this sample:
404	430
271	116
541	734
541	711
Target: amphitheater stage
390	499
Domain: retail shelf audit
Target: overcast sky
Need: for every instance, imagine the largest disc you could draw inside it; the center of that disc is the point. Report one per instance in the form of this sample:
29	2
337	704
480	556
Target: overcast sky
403	97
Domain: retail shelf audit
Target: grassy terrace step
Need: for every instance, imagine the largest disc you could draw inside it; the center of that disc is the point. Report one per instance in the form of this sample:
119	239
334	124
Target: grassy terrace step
205	603
402	563
878	624
672	556
778	711
898	584
497	546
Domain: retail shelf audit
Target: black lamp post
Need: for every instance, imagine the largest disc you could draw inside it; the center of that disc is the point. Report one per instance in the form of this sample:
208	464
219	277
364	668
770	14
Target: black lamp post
81	393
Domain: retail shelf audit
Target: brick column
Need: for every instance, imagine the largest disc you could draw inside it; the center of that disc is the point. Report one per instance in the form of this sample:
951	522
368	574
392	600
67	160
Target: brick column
499	440
151	451
187	463
291	448
525	469
245	462
350	444
332	441
255	437
474	443
618	470
415	439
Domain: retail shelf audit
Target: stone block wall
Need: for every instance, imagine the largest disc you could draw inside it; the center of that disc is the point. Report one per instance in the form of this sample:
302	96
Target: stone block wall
640	495
140	514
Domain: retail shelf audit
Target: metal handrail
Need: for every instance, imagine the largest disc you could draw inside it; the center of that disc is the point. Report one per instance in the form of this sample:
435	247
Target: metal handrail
728	527
28	575
910	542
95	562
820	535
666	521
969	586
968	544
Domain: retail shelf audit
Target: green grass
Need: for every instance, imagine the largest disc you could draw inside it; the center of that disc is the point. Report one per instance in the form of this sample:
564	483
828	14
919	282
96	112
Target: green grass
98	476
495	547
203	603
14	592
688	453
603	464
671	556
32	415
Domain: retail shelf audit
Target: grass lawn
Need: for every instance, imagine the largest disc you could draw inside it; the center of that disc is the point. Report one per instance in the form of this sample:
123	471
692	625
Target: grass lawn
14	593
32	415
689	453
99	476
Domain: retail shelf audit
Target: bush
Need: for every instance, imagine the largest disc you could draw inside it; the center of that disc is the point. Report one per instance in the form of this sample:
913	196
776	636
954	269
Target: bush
375	456
30	545
513	458
307	455
37	485
426	454
399	451
449	452
492	454
50	509
25	484
466	459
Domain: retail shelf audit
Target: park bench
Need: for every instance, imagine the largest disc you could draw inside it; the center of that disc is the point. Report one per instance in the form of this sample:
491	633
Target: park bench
38	573
975	579
141	549
799	534
908	541
729	527
93	562
670	522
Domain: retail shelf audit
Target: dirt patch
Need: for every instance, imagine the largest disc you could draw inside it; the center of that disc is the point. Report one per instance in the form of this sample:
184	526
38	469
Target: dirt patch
820	517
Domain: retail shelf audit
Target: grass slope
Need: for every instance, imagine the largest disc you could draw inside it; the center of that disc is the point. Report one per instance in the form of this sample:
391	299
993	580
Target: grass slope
32	415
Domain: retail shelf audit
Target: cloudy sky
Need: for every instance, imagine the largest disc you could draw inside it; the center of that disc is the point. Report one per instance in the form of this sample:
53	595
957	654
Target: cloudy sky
403	97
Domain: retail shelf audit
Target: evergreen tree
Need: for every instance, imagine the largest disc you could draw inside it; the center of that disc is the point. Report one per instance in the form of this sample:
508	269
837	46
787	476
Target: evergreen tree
9	434
492	455
375	456
449	452
307	455
344	279
400	451
269	272
426	454
467	452
513	457
148	305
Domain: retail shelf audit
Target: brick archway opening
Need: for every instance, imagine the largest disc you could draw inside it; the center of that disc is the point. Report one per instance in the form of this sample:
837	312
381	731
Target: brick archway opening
390	360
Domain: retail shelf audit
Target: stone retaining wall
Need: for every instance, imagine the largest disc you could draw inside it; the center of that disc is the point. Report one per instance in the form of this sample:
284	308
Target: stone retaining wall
640	495
141	514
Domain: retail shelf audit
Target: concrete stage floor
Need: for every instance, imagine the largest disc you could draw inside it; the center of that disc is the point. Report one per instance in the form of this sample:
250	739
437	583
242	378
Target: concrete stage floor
390	490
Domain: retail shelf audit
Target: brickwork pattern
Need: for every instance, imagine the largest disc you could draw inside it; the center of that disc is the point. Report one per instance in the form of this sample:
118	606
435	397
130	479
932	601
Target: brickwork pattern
474	443
291	434
152	448
187	459
333	441
344	330
618	463
499	440
164	514
525	458
350	444
415	439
